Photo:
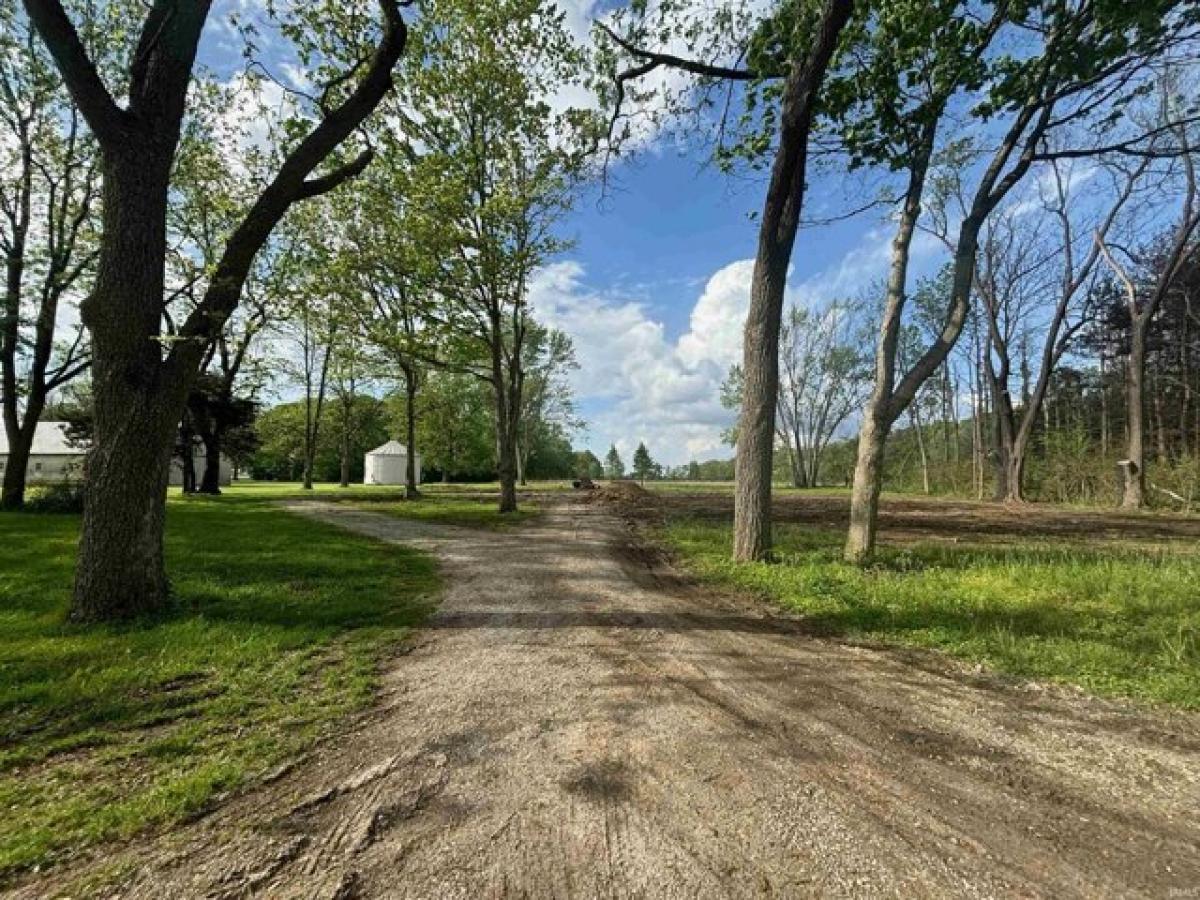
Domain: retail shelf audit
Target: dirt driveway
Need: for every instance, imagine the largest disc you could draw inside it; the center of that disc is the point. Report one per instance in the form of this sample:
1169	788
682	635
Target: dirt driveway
576	723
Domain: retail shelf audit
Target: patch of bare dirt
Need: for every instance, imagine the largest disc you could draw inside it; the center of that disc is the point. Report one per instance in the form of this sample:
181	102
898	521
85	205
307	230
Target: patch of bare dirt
578	722
910	518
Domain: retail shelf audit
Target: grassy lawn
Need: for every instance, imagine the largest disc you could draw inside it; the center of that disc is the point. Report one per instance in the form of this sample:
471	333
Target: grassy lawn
278	629
1113	622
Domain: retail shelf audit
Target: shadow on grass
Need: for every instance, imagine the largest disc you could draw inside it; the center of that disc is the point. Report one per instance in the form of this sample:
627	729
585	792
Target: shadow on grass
274	634
1123	622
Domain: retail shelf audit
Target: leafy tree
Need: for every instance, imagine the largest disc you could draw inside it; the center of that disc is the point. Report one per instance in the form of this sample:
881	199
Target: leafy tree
823	379
493	171
788	52
587	465
141	383
455	431
643	465
380	272
215	415
548	407
613	466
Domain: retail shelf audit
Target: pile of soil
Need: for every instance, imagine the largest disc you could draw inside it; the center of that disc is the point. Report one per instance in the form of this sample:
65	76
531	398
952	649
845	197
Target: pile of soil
630	501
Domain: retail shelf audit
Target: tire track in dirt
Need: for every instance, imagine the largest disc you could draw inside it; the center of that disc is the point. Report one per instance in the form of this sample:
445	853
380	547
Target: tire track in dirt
576	721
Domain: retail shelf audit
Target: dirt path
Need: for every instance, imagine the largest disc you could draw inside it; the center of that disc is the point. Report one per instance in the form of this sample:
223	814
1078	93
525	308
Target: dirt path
574	724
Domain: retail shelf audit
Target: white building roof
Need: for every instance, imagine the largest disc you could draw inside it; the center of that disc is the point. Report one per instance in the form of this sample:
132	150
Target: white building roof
49	439
391	448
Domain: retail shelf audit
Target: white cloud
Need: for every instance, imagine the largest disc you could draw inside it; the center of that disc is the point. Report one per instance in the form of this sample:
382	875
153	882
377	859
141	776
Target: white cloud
652	389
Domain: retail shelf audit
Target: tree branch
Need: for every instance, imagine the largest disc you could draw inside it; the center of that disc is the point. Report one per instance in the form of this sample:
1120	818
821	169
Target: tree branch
315	187
290	185
107	120
695	67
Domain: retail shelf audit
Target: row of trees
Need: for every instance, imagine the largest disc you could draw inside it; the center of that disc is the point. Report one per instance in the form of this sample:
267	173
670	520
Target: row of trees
398	203
454	433
644	467
957	107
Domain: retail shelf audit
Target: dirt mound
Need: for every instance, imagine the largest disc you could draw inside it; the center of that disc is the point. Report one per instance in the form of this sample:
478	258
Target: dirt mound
630	500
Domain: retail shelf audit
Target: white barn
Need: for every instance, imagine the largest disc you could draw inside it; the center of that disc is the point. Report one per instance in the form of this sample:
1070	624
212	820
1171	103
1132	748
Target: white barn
387	464
55	458
52	458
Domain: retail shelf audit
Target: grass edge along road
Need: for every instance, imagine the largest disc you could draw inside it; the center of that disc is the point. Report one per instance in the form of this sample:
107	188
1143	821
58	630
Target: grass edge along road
278	629
1114	622
460	505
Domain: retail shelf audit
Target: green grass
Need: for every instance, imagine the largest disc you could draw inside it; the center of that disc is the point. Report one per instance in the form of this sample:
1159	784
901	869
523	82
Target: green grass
277	631
290	490
1112	622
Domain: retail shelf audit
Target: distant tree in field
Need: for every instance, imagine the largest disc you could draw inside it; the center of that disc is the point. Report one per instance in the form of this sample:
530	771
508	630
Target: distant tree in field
644	465
823	377
822	380
587	465
613	466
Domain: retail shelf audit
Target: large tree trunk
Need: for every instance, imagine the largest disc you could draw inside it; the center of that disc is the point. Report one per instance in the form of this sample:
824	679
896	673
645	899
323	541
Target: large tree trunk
1010	458
867	484
1014	474
16	472
120	570
507	408
879	413
777	235
506	463
1134	490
